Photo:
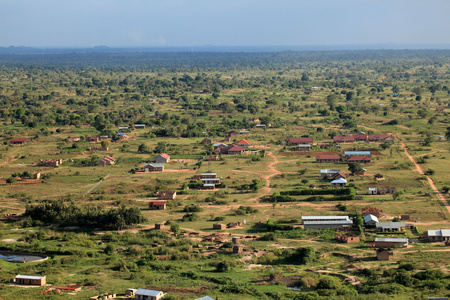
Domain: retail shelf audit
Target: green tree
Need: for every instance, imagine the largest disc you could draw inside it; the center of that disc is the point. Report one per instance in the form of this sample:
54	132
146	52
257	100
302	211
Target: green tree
160	148
355	167
175	228
331	101
143	148
105	144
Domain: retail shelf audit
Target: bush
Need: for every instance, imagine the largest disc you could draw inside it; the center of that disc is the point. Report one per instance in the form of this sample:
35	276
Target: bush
190	217
192	208
223	266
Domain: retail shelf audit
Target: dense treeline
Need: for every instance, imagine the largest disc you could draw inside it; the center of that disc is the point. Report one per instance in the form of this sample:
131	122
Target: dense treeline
58	212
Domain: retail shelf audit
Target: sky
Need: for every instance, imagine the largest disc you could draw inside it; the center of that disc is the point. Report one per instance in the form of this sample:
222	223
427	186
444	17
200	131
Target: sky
190	23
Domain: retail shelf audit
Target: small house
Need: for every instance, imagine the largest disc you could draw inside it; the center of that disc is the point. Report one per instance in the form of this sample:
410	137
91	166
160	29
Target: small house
323	222
161	158
343	139
106	161
244	132
390	242
238	249
255	120
208	175
326	158
215	181
123	136
244	144
261	126
130	292
29	280
166	195
328	172
50	162
154	167
338	175
218	226
370	220
360	159
209	186
384	254
233	150
379	138
339	183
304	147
157	205
213	158
17	141
347	238
144	294
159	226
390	226
139	126
123	127
441	235
302	140
233	133
74	138
206	141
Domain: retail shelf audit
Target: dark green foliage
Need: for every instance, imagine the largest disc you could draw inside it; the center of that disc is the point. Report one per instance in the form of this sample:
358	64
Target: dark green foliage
192	208
190	217
71	214
245	210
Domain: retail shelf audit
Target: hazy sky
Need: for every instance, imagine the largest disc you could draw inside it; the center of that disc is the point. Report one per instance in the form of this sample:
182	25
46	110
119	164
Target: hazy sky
148	23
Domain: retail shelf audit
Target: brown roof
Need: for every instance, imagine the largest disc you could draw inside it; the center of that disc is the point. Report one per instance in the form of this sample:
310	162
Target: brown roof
163	155
243	142
157	202
235	148
18	140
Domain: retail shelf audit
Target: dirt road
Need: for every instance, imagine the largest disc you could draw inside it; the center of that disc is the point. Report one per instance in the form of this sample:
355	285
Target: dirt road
430	181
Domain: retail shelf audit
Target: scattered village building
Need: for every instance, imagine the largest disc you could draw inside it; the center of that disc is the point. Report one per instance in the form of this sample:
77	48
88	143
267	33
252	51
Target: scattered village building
328	172
384	254
139	126
349	154
74	138
302	140
390	226
123	136
360	159
370	220
373	211
261	126
343	139
339	183
238	249
379	138
233	133
382	190
244	144
338	175
166	195
441	235
215	181
347	238
206	141
219	226
144	294
51	162
37	175
322	222
153	167
256	120
123	127
157	205
304	147
390	242
209	186
130	292
325	158
208	175
92	139
233	150
244	132
106	161
161	158
17	141
30	280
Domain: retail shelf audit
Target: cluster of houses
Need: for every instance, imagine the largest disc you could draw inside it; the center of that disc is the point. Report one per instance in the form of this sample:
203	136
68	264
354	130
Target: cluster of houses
158	163
162	197
364	157
209	180
304	144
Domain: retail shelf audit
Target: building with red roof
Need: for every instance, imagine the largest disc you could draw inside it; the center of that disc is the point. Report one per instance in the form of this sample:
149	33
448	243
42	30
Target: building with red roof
233	150
327	158
161	158
17	141
360	159
302	140
157	205
106	161
244	144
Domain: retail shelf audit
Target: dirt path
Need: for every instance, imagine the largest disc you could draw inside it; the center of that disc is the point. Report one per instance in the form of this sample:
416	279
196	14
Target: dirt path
430	181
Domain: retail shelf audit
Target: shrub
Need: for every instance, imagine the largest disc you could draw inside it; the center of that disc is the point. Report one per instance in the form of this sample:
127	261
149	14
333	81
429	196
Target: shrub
190	217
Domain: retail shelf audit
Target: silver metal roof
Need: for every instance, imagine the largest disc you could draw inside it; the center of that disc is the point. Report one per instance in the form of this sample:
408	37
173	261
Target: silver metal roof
329	171
29	277
156	165
324	218
369	217
205	298
339	222
340	180
391	224
393	240
440	232
145	292
207	174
